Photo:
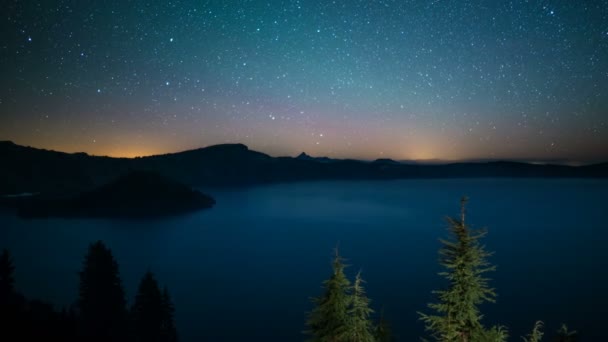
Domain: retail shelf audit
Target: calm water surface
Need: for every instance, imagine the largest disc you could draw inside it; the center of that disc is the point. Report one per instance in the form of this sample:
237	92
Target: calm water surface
245	269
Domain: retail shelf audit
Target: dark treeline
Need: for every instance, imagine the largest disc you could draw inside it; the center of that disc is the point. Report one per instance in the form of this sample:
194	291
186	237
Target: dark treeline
100	312
343	312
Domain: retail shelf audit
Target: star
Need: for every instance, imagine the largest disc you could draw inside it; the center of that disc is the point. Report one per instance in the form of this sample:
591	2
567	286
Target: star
390	71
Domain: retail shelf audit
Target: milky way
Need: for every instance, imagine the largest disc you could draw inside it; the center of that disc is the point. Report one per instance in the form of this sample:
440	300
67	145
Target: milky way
359	79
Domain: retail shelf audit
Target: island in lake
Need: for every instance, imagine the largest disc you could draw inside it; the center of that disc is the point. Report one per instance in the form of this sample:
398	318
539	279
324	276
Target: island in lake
138	194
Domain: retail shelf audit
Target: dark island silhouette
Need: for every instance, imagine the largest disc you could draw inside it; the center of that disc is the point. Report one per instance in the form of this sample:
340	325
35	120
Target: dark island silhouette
32	170
138	194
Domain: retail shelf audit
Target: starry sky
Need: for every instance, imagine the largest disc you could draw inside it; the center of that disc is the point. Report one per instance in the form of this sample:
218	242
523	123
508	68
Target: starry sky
437	79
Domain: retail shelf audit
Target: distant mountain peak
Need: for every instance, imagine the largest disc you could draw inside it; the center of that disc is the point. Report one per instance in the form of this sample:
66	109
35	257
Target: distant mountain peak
304	156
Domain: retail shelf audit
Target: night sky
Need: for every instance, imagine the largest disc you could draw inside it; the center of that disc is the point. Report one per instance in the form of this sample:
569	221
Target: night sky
451	80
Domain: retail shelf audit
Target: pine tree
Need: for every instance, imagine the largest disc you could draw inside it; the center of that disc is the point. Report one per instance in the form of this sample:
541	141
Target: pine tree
360	328
152	313
536	335
147	310
328	321
457	316
101	300
10	306
383	331
168	330
565	335
494	334
7	278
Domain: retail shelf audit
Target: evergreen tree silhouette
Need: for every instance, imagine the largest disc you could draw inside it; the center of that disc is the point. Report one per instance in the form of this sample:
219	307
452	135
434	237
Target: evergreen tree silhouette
457	315
360	328
7	277
383	332
152	313
168	330
537	334
147	311
328	321
28	320
565	335
101	299
11	304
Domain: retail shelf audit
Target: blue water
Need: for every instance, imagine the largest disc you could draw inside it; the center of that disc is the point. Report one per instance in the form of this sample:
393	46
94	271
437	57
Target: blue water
245	269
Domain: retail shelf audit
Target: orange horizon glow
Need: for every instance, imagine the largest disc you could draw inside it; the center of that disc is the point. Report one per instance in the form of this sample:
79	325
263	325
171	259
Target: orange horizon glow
421	155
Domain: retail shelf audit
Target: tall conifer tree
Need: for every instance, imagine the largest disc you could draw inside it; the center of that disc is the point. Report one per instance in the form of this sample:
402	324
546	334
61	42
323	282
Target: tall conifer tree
457	317
7	277
328	321
537	333
360	327
566	335
168	330
383	332
147	315
101	300
10	308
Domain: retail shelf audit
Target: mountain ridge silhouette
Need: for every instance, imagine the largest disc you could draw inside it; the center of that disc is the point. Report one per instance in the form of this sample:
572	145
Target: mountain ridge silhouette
32	170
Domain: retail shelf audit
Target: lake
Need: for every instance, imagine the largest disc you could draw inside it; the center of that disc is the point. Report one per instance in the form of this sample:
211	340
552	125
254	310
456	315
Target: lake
246	269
